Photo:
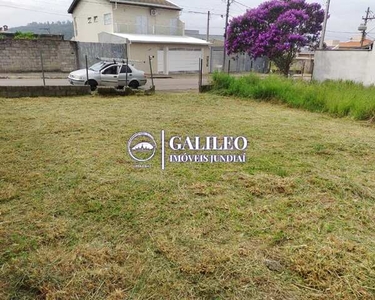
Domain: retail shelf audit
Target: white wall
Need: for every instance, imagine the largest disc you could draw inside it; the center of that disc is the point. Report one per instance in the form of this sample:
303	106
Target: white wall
85	32
357	66
124	19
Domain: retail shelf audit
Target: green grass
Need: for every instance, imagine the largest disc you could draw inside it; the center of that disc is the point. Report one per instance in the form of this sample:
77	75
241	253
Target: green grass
79	221
338	98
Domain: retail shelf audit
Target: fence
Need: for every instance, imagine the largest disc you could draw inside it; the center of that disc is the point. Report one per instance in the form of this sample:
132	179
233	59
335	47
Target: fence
237	63
94	50
149	29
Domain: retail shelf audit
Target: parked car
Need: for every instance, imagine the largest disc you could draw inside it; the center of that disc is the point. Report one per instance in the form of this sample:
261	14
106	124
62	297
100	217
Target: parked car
109	74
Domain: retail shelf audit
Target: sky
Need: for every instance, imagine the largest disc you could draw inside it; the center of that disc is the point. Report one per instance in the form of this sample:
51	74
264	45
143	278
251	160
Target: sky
345	15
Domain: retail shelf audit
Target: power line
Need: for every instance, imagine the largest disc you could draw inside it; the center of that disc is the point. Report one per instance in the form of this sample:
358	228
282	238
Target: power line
238	10
202	13
244	5
35	10
201	7
351	32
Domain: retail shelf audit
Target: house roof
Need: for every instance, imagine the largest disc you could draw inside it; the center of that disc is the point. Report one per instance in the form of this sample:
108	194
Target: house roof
354	44
149	3
160	39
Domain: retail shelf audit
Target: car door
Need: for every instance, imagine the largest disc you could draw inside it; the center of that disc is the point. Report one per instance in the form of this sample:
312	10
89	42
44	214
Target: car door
125	69
109	76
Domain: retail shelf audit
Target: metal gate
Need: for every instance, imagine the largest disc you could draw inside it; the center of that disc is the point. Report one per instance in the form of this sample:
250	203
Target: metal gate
238	63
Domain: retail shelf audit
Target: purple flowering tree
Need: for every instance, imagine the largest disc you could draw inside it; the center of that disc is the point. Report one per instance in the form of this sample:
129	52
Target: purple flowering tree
277	29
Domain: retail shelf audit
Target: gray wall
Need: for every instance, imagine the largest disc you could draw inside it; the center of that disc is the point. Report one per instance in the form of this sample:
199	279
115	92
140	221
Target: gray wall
58	55
238	63
357	66
24	55
94	50
43	91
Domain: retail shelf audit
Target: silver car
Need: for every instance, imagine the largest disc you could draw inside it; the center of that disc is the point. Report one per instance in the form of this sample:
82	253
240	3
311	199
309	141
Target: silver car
106	73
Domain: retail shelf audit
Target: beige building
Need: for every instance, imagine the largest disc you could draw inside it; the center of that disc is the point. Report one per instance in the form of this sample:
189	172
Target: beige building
146	27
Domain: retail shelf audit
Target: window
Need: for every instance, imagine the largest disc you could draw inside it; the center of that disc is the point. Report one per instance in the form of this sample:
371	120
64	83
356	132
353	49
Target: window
95	19
107	19
125	69
111	70
142	25
173	26
99	66
89	20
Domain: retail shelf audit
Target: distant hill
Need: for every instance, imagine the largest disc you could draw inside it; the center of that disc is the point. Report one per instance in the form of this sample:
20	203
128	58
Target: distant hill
65	28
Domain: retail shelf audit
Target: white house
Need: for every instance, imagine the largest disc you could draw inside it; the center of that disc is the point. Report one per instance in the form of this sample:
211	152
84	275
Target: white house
146	28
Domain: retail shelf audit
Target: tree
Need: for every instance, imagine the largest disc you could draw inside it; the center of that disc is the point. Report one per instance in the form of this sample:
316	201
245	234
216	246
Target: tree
65	28
278	29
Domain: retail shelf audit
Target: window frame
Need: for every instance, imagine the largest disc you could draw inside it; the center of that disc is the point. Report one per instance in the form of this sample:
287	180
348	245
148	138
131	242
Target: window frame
128	69
107	68
107	19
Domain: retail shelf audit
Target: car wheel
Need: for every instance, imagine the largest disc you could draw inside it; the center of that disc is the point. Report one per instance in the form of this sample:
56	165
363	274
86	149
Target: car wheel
93	85
134	84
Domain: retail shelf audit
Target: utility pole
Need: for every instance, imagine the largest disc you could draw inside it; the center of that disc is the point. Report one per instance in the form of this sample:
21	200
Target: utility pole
208	26
321	44
364	28
229	2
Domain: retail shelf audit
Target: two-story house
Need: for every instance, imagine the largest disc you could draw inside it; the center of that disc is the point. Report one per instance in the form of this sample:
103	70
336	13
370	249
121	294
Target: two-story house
146	28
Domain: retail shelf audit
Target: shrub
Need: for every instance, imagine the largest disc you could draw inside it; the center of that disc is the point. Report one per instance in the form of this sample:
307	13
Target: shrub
24	36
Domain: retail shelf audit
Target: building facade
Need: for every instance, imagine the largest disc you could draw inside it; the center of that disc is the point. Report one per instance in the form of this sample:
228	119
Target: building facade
146	27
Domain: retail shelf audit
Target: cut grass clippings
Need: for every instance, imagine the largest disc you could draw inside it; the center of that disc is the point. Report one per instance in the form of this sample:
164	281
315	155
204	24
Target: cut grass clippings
338	98
78	220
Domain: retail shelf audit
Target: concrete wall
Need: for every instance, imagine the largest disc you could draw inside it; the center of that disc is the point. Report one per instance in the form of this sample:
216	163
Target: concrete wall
43	91
24	55
58	56
357	66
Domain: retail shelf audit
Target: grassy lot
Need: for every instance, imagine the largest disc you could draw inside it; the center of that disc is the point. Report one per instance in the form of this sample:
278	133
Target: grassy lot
338	98
79	221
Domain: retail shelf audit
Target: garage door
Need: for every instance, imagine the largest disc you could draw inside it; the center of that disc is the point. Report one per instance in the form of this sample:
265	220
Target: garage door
184	60
160	61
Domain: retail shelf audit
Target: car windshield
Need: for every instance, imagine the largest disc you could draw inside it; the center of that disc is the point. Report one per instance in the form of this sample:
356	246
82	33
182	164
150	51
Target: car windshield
98	66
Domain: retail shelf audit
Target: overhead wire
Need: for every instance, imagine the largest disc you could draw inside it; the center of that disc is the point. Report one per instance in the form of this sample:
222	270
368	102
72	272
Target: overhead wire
244	5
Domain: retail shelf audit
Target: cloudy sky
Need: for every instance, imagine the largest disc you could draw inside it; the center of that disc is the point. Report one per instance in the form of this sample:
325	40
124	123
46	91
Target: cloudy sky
345	14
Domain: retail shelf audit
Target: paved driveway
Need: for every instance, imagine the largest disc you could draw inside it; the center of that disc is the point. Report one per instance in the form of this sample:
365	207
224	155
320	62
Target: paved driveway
165	84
